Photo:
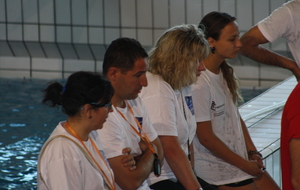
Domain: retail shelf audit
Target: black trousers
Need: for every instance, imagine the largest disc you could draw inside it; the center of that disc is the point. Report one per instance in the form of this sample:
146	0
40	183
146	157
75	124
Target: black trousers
171	185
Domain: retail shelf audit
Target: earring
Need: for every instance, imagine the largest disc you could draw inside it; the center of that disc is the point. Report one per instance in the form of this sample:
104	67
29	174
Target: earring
213	50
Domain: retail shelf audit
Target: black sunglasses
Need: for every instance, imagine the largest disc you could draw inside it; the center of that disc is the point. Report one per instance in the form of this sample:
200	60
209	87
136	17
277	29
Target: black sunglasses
108	105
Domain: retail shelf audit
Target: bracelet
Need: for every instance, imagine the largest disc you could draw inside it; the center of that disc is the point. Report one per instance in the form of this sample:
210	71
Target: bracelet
251	152
200	188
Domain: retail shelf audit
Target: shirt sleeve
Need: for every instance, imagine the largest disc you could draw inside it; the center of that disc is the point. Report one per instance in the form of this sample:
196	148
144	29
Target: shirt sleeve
147	125
113	142
276	25
202	102
161	109
63	166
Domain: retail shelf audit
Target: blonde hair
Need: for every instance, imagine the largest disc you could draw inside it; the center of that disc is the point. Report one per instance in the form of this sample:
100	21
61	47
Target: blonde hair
177	53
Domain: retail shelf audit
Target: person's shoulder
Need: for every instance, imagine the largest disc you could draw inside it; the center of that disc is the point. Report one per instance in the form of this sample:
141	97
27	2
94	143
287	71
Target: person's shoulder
156	87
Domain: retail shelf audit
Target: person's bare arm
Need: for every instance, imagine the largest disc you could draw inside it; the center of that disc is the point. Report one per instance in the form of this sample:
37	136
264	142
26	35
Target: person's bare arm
249	143
251	48
134	178
295	162
179	162
208	139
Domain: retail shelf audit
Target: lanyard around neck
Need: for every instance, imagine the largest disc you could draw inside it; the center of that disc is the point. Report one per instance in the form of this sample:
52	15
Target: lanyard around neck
188	141
144	137
111	184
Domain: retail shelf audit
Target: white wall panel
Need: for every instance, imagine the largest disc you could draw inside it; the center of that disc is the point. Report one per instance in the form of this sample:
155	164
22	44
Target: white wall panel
145	37
47	64
31	32
13	12
144	13
14	74
14	32
112	13
244	13
210	5
95	12
78	65
2	32
96	35
30	11
128	13
14	63
79	12
46	75
79	35
63	11
228	6
47	33
260	10
177	12
46	11
111	34
161	14
63	34
194	12
130	33
2	11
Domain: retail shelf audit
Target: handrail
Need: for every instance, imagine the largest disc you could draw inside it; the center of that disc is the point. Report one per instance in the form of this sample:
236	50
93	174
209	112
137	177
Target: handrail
264	110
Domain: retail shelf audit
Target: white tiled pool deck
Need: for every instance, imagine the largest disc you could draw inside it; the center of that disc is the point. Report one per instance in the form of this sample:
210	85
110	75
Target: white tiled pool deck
264	126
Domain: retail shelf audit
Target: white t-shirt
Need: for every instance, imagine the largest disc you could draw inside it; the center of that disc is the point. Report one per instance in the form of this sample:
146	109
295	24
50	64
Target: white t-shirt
117	134
284	22
213	102
64	166
165	108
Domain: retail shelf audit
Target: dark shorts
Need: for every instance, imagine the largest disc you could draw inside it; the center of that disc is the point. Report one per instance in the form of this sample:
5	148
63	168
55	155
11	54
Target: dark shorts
240	183
169	184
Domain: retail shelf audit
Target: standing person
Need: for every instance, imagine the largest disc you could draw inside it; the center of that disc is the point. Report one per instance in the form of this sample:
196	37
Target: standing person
125	65
73	157
225	155
284	22
175	63
290	142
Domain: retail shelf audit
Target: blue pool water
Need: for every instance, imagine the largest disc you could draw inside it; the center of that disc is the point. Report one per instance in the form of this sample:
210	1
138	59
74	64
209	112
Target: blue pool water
25	124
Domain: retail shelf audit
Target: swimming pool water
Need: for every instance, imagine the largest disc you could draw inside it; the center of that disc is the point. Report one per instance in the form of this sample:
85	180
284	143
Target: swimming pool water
25	124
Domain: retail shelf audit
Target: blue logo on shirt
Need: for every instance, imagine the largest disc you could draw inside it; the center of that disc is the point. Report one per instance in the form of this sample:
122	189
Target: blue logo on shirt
140	120
189	102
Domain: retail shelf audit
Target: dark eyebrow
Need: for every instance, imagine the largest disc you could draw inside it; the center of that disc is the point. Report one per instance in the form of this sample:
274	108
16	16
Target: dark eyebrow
139	73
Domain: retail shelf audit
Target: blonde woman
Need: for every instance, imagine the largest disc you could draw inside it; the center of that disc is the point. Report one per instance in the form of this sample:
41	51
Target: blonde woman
175	62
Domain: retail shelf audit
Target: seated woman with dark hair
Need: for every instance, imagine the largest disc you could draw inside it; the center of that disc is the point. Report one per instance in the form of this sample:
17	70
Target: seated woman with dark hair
73	158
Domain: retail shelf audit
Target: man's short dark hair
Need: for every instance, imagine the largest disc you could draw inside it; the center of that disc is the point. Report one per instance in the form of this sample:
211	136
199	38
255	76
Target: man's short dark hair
122	53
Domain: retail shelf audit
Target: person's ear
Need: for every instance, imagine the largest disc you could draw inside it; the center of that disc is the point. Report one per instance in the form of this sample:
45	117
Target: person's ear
112	73
211	41
87	111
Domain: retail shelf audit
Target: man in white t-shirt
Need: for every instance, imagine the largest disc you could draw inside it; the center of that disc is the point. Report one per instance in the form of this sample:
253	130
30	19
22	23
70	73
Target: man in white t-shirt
284	22
125	65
